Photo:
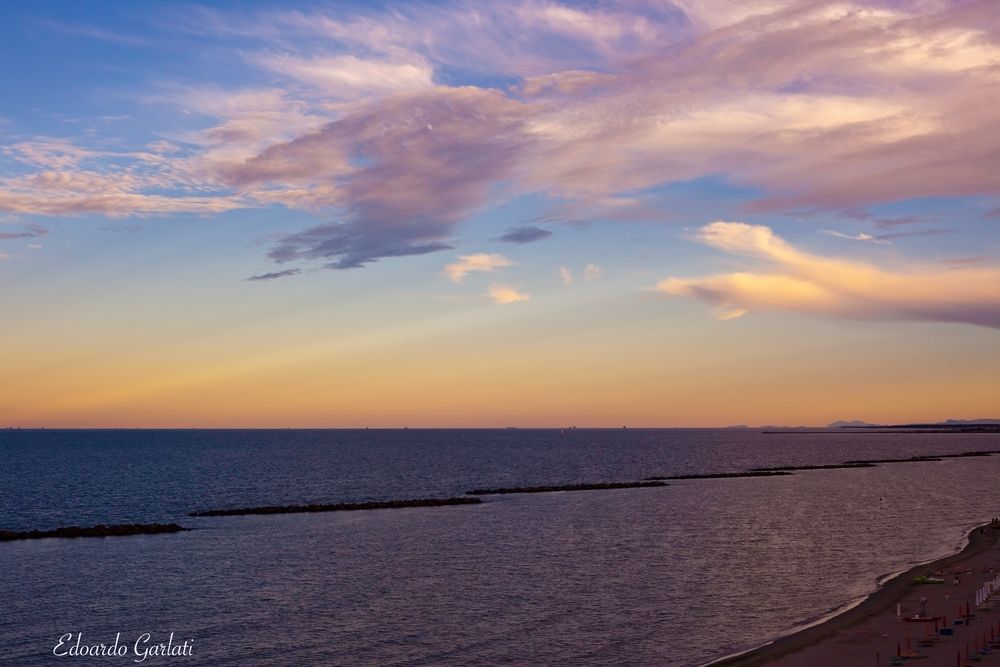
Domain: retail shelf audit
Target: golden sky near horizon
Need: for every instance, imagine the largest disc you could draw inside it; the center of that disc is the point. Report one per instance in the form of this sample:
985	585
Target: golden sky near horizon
698	213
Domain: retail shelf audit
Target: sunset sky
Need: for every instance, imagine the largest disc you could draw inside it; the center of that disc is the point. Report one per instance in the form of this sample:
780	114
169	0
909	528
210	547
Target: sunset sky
697	213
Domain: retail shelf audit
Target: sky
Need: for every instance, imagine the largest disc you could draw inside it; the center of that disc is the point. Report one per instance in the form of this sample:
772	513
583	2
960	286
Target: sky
471	214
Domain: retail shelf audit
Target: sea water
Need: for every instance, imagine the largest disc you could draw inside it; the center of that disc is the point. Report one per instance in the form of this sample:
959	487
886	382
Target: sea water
678	575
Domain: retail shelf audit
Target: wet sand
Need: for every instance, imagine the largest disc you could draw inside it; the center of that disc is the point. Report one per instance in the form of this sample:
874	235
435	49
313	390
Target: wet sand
871	633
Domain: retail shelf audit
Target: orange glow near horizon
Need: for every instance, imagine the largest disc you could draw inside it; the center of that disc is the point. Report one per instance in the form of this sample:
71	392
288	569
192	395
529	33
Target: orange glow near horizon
696	214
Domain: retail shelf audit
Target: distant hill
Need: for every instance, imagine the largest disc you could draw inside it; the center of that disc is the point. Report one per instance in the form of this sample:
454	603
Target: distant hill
959	422
946	426
854	423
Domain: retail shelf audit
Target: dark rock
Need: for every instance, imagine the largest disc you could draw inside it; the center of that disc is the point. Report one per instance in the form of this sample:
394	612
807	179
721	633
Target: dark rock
93	531
567	487
339	507
728	475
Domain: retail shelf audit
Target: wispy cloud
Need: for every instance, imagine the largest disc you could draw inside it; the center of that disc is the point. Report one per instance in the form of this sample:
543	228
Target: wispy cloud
397	125
904	220
592	272
964	261
90	32
814	105
914	233
856	237
504	294
275	275
347	77
524	234
29	232
799	281
478	262
67	180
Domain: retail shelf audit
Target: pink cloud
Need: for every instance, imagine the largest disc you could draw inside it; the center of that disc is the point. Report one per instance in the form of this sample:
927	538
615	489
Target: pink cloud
347	76
505	294
478	262
403	173
829	105
795	280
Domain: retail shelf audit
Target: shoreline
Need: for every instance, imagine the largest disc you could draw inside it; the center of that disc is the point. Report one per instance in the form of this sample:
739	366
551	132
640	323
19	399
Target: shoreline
979	540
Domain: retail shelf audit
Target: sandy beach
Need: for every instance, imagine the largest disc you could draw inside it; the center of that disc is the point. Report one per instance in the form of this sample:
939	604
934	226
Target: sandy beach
872	633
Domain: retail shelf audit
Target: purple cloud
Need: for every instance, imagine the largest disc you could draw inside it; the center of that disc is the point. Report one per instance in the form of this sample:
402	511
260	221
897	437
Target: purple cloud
370	122
524	234
29	232
403	172
275	275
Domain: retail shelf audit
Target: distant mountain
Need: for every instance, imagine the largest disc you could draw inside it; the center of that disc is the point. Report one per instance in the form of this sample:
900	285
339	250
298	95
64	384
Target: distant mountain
854	423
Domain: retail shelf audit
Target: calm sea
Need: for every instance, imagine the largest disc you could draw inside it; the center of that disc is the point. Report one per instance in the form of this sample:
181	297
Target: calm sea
666	576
